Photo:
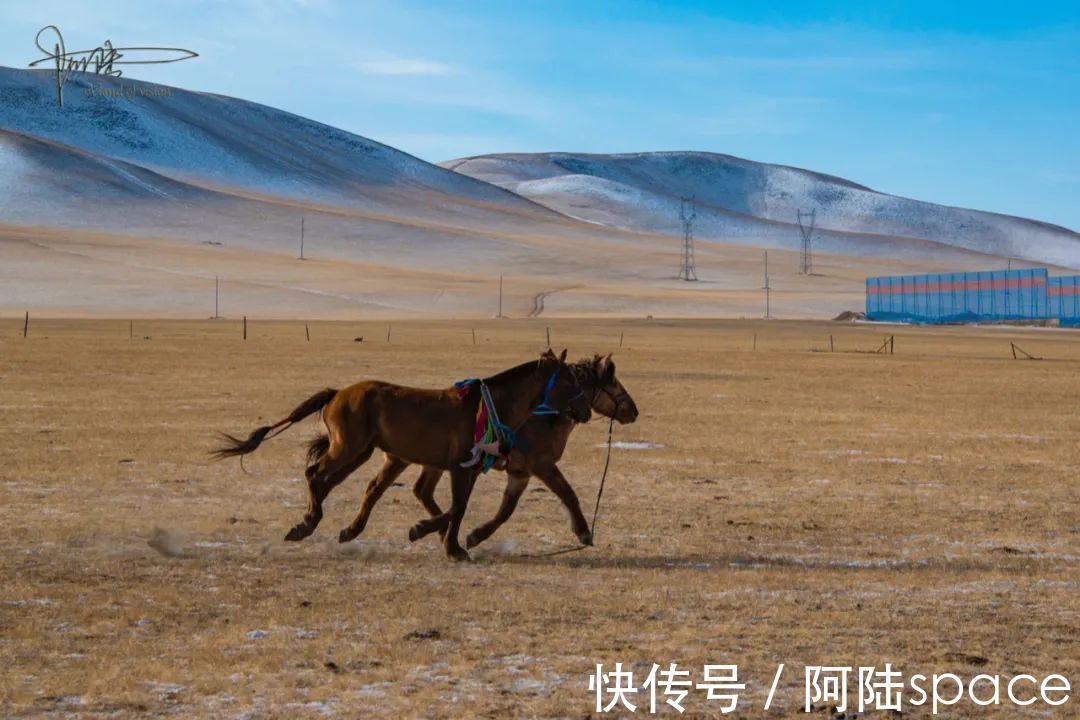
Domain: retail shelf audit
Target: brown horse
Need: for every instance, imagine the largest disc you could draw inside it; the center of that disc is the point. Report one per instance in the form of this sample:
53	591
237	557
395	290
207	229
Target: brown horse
540	445
411	425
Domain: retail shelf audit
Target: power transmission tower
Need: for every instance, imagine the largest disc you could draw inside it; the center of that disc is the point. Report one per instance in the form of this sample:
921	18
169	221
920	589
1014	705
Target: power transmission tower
806	266
687	213
302	238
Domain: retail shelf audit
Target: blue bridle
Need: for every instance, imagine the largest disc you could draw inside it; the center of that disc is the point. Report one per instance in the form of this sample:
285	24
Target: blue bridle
544	408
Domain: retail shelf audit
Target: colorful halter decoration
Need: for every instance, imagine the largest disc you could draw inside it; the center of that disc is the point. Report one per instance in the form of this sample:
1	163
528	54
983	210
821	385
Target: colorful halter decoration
491	437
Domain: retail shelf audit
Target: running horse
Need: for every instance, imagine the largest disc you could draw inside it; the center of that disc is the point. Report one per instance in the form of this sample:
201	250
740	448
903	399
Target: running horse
434	428
540	444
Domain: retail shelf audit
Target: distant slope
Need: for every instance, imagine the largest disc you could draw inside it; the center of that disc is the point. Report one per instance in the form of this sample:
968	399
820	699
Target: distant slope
39	172
755	203
227	142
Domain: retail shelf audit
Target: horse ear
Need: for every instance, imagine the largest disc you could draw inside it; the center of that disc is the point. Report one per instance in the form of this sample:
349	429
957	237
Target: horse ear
607	370
562	356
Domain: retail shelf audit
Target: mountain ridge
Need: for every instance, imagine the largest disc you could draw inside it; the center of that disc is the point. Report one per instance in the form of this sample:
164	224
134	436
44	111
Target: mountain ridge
641	191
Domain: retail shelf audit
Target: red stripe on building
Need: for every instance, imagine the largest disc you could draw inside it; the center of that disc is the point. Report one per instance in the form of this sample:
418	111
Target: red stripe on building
919	287
1056	290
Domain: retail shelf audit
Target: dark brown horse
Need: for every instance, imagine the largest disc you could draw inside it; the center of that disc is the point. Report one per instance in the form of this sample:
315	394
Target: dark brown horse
411	425
540	445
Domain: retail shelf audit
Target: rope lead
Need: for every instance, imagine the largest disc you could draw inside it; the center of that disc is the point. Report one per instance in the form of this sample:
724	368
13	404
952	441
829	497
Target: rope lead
596	510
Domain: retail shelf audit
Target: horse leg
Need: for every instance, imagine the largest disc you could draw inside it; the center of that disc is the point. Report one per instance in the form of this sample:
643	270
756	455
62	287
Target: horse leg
324	475
437	522
461	485
515	486
388	473
558	485
461	482
424	490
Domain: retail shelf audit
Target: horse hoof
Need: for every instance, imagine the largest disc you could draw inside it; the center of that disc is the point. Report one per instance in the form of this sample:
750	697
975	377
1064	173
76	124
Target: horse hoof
472	541
298	533
346	535
459	555
585	538
414	534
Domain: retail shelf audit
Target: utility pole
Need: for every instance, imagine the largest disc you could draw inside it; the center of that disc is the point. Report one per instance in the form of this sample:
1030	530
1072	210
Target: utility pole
806	266
301	237
766	288
500	297
217	315
687	213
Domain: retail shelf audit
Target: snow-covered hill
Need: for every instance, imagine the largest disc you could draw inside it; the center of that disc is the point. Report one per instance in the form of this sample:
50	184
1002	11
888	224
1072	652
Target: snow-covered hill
225	142
756	203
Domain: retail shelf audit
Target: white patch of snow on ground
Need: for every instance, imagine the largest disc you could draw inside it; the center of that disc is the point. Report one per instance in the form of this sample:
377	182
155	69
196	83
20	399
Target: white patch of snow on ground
326	709
166	691
633	445
378	689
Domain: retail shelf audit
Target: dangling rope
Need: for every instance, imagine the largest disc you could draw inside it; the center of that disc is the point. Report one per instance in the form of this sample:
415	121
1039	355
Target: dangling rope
603	477
596	510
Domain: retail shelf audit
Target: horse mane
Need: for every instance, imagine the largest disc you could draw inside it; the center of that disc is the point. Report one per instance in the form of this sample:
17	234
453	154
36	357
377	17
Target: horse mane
584	371
517	372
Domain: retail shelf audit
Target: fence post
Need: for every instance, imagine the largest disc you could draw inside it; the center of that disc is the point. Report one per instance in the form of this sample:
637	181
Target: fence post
245	327
307	332
26	324
548	332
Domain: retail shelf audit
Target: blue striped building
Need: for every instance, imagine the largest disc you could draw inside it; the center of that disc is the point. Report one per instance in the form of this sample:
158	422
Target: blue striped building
990	296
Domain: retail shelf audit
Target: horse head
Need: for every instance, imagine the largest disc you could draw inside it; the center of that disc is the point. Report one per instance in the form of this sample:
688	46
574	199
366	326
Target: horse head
562	394
610	397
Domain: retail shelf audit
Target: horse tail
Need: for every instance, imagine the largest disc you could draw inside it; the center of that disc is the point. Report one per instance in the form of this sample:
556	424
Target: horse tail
317	448
234	446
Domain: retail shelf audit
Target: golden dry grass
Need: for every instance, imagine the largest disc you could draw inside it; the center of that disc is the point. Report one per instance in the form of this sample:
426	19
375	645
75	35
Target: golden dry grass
805	507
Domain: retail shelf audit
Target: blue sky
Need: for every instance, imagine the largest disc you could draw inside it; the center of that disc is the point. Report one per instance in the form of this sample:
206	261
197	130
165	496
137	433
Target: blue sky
974	104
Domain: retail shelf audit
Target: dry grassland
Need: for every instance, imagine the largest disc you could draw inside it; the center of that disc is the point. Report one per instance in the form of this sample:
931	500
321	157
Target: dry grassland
802	506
